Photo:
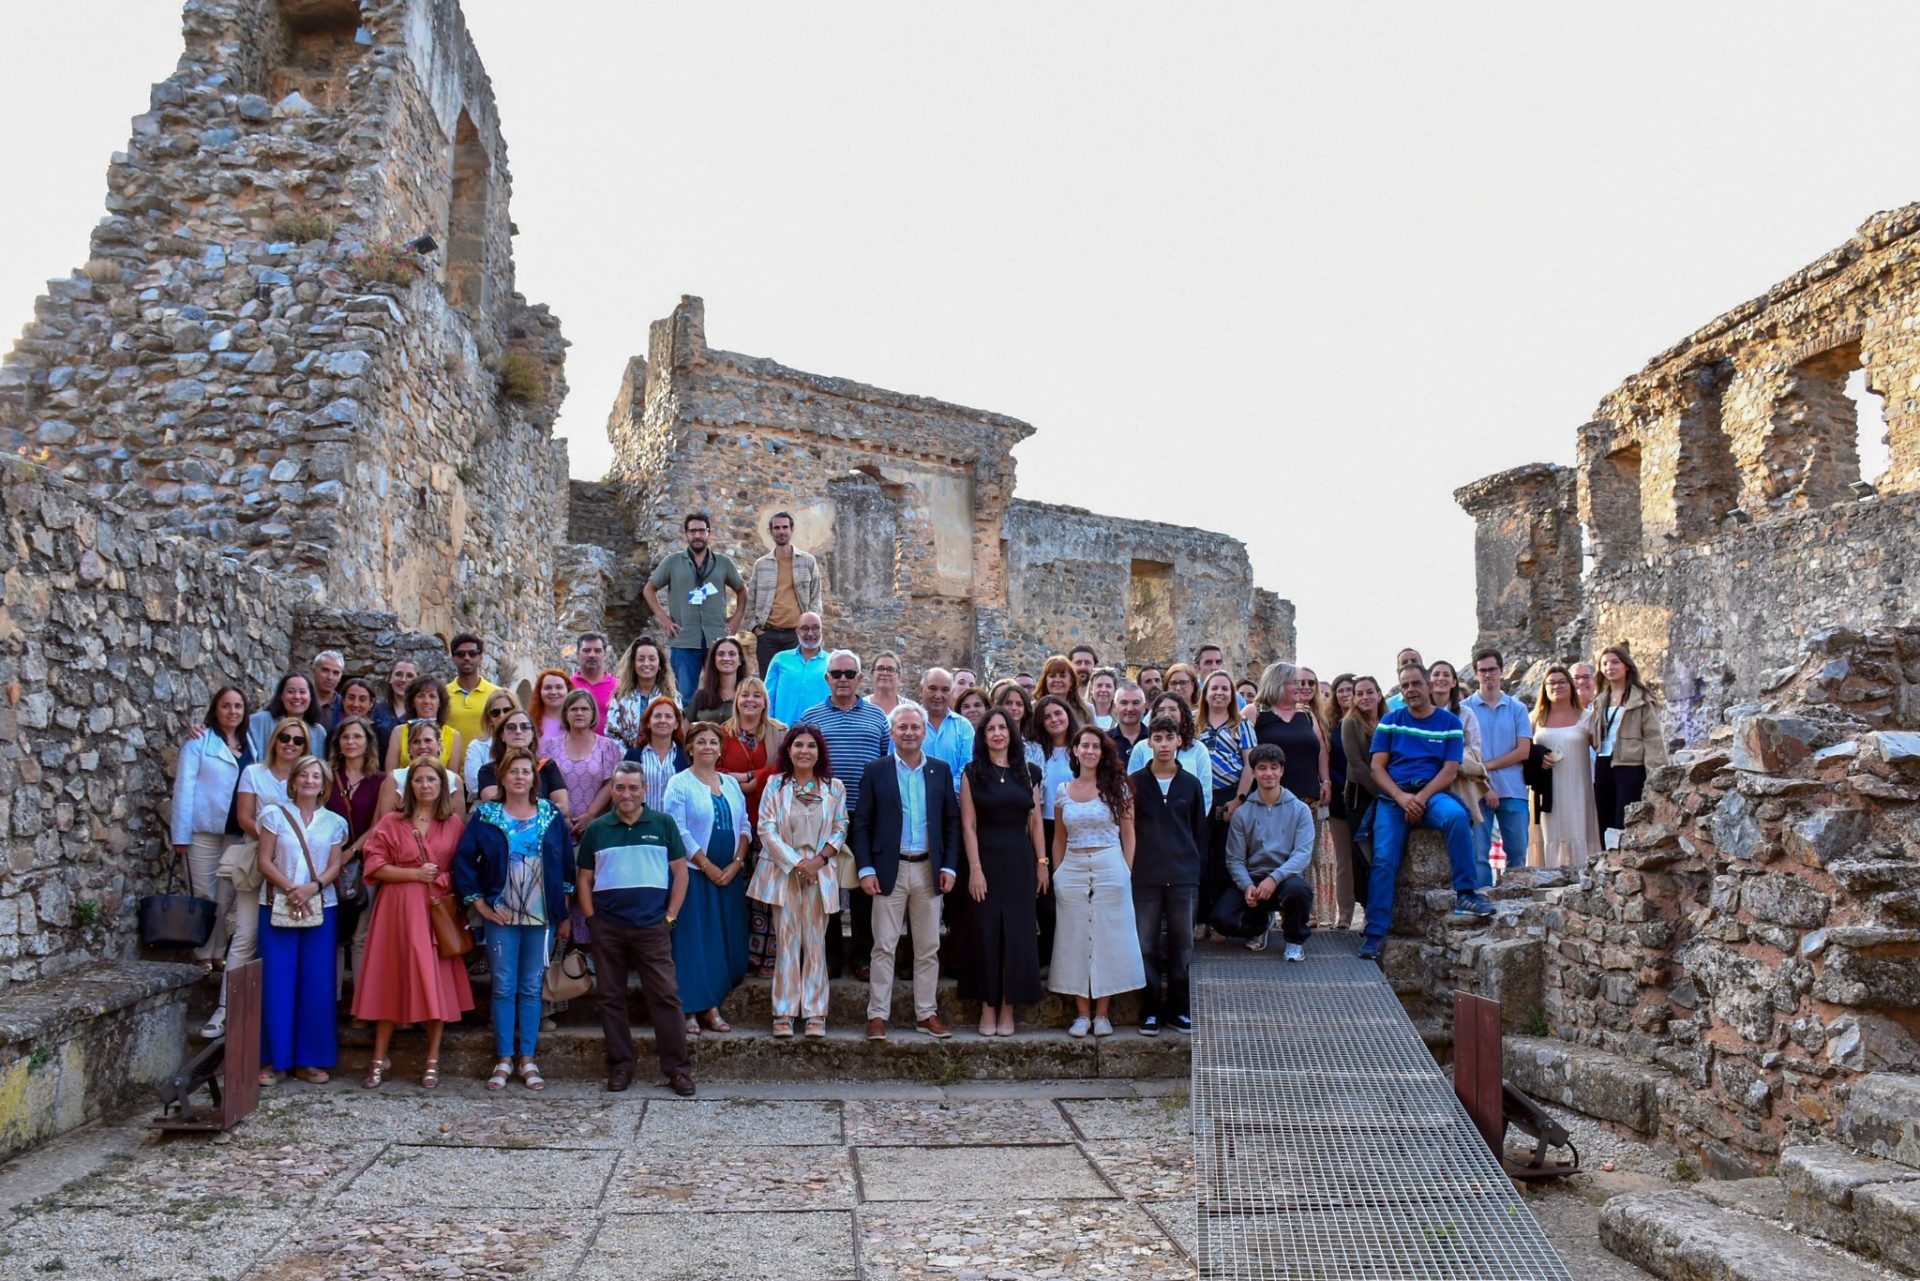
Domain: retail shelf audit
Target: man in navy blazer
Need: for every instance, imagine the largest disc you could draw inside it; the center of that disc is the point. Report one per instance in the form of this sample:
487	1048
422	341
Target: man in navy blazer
906	843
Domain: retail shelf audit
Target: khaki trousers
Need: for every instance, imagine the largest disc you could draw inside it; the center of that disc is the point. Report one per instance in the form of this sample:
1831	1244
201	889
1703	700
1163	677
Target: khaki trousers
915	901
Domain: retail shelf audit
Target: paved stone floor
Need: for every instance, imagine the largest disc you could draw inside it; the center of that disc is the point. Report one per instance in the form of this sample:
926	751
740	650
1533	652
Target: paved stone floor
747	1183
753	1182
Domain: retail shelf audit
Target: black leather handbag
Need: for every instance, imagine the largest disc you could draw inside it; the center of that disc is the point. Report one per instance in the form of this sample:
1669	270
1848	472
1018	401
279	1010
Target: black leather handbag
173	919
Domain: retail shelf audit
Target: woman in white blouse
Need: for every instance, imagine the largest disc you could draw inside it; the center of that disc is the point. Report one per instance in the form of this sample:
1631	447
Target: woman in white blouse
710	936
301	852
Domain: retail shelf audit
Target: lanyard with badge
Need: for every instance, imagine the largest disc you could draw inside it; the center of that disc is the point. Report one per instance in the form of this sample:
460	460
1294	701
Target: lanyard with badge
702	589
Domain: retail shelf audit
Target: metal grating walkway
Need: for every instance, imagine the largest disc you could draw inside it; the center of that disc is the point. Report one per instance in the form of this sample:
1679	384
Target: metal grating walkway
1328	1145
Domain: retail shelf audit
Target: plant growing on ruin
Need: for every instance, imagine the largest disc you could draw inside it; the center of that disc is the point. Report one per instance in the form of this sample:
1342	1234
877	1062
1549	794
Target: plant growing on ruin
385	262
301	228
521	376
88	912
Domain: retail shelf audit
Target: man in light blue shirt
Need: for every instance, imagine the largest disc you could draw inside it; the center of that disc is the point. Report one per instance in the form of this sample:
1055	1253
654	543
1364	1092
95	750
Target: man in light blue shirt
949	737
1506	738
797	678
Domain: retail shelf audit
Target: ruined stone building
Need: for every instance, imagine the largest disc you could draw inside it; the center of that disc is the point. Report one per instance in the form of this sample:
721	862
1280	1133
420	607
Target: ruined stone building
1716	516
910	502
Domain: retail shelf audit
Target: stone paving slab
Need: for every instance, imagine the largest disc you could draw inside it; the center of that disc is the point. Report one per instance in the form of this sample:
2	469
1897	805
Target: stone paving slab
509	1246
1179	1220
653	1180
1067	1240
481	1178
948	1174
753	1122
512	1119
1165	1117
114	1245
191	1175
811	1246
1154	1168
874	1122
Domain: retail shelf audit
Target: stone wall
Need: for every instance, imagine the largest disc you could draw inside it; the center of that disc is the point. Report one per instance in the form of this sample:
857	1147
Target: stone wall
1750	950
1720	487
230	361
908	502
1137	591
1526	558
114	633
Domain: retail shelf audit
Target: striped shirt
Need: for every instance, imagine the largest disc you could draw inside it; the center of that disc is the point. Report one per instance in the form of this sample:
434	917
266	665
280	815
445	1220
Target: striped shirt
856	737
630	865
1418	747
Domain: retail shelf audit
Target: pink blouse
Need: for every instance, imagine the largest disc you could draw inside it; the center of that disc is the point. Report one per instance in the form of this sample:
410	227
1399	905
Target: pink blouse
586	777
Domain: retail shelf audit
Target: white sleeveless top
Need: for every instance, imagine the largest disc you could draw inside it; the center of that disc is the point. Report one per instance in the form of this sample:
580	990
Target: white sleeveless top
1090	824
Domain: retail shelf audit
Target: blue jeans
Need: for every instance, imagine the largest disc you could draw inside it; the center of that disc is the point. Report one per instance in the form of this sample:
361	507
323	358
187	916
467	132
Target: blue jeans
686	671
1512	816
517	955
1444	815
1171	906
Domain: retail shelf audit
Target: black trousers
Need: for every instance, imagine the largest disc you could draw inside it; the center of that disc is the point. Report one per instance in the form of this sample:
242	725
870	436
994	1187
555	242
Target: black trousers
1294	899
1163	914
1614	788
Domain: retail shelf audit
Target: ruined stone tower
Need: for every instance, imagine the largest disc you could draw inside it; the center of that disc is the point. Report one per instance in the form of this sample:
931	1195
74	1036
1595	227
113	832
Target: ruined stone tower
252	358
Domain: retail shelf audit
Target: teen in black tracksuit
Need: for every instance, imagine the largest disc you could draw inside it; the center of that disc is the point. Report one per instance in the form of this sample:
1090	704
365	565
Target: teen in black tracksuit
1169	834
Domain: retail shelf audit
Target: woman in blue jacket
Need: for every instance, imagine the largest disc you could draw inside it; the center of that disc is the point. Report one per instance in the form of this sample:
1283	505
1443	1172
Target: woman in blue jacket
515	866
203	787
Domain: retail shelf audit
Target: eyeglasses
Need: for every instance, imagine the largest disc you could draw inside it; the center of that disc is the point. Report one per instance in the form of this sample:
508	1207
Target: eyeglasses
294	739
1486	671
841	676
520	727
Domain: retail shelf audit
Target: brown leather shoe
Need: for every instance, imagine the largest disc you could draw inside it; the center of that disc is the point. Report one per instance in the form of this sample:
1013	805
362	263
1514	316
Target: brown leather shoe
681	1084
935	1027
876	1029
619	1079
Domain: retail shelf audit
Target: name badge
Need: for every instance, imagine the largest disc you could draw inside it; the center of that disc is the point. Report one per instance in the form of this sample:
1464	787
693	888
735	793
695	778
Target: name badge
700	593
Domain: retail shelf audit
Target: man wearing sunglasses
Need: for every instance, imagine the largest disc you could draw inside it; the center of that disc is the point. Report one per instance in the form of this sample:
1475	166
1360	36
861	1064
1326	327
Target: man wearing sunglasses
856	735
467	692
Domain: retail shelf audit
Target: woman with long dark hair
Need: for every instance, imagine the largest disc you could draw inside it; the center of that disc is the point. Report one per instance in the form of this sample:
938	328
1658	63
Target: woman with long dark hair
355	796
1627	735
1060	679
803	837
644	675
203	786
293	696
1096	945
1007	872
725	668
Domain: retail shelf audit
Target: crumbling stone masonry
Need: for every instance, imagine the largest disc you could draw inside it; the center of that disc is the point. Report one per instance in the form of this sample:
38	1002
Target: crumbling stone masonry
909	501
243	358
1720	493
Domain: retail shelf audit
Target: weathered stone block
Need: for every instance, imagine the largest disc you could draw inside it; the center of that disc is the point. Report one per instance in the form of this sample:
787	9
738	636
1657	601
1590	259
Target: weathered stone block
1682	1236
1825	835
1821	1180
1587	1080
1786	899
1888	1217
1510	971
1870	965
1766	743
1882	1116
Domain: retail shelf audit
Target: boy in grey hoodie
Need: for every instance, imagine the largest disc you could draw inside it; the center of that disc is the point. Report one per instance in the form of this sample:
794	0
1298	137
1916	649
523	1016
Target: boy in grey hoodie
1269	849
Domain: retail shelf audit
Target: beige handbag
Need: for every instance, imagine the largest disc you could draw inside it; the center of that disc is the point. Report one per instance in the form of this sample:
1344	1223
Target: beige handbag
283	917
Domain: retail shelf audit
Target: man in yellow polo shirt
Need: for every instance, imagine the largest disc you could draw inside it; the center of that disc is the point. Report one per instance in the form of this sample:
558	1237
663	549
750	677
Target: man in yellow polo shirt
467	692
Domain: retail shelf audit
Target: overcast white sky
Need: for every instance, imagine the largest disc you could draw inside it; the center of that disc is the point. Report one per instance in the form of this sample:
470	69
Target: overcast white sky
1293	272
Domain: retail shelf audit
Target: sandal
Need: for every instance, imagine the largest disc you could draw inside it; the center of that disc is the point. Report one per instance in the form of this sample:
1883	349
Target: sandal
378	1074
430	1079
783	1027
268	1077
989	1025
1006	1026
314	1076
816	1027
715	1023
693	1026
530	1074
501	1071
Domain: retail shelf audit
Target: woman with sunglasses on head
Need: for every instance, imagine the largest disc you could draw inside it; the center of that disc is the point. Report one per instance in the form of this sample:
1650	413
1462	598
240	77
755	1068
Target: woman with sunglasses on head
262	785
499	705
644	675
302	844
409	856
426	701
419	743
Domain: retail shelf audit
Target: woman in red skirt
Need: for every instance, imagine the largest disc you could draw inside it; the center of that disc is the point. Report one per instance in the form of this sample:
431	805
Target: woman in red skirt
409	855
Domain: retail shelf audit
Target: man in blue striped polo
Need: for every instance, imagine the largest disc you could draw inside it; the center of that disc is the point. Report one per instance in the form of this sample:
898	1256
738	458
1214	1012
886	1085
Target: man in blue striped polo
1416	755
856	735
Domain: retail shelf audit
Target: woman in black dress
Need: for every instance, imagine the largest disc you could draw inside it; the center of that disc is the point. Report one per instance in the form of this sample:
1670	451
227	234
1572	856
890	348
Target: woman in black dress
1006	873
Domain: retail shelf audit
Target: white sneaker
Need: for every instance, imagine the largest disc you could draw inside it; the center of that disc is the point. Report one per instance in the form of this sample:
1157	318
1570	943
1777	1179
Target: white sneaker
1103	1027
1080	1027
1295	952
216	1027
1258	943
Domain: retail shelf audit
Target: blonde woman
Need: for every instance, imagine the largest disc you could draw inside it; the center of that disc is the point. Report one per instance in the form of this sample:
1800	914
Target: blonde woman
302	848
1284	717
1569	827
416	741
499	705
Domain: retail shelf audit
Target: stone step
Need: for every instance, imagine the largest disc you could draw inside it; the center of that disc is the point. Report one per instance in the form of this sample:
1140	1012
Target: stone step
1828	1189
752	1003
1683	1236
1882	1116
844	1054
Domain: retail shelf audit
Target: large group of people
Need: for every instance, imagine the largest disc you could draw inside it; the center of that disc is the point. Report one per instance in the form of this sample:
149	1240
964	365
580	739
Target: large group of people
727	801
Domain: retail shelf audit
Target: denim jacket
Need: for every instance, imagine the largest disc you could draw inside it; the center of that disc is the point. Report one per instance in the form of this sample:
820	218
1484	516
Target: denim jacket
480	864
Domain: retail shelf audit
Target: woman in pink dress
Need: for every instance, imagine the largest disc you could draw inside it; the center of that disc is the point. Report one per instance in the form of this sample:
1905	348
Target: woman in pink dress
409	855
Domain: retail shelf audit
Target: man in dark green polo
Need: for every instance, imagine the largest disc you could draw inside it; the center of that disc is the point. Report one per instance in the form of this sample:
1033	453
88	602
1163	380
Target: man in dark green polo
694	613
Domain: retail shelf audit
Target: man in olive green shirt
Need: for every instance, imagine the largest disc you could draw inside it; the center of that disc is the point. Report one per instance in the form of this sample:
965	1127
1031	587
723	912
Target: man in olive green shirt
694	614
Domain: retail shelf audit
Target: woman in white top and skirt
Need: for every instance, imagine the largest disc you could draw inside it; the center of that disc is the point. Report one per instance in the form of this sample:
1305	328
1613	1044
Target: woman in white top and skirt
1096	946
